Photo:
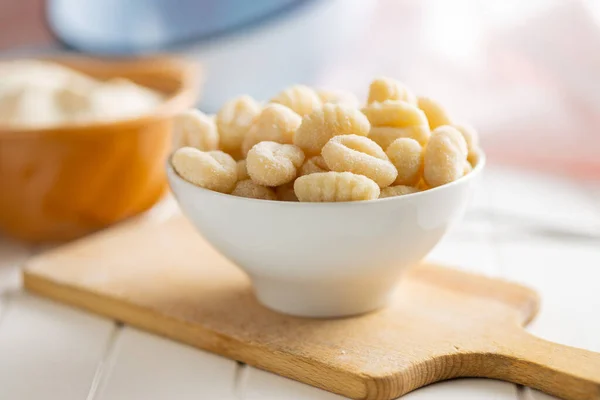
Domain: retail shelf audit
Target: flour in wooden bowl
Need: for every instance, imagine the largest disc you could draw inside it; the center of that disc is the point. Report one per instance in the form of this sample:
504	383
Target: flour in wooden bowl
39	94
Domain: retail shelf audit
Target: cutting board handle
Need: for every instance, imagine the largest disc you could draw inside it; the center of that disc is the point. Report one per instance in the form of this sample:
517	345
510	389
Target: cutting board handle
566	372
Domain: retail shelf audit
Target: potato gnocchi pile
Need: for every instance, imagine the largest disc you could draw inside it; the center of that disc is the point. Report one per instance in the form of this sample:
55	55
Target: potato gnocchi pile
320	146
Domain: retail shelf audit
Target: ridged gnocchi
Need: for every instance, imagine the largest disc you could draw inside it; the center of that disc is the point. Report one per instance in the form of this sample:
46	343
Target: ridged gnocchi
193	128
407	156
383	89
214	170
274	164
233	122
399	190
436	114
315	145
251	189
359	155
445	157
300	98
393	119
276	123
331	120
335	186
338	97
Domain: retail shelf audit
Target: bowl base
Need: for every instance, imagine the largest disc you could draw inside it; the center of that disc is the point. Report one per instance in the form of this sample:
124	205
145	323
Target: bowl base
322	299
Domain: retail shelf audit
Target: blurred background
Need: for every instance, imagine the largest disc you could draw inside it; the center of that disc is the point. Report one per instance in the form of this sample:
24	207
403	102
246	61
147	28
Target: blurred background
526	74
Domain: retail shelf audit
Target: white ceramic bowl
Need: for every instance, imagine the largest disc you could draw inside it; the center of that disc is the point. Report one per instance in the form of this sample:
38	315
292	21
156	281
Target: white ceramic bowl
325	259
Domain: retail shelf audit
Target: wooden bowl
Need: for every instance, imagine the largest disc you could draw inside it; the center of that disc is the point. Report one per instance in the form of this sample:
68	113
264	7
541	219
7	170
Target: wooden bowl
63	182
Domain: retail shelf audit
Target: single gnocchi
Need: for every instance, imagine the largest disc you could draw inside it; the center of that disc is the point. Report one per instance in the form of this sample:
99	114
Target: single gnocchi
407	156
399	190
335	186
312	165
385	135
331	120
454	135
445	157
274	164
394	113
233	122
251	189
472	139
436	114
300	98
359	155
214	170
338	97
382	89
193	128
276	123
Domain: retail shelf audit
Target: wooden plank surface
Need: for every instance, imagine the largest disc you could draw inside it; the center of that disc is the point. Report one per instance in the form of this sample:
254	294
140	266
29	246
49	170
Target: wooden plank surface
145	366
261	385
49	350
531	201
559	256
465	389
562	273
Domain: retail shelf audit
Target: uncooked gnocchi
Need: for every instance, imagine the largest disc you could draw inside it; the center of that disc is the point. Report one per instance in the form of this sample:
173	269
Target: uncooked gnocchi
314	145
399	190
472	140
445	157
338	97
436	114
251	189
300	98
274	164
394	113
383	89
359	155
321	125
393	119
385	135
335	186
312	165
193	128
276	123
455	136
233	122
214	170
407	156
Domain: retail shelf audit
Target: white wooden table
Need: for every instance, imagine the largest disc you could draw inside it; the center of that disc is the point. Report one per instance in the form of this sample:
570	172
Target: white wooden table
536	229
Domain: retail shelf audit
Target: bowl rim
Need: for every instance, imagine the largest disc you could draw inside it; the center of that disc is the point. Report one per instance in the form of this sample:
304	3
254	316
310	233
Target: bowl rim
191	78
172	174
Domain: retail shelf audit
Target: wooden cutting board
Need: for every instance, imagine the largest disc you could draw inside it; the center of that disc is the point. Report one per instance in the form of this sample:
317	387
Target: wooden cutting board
442	323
